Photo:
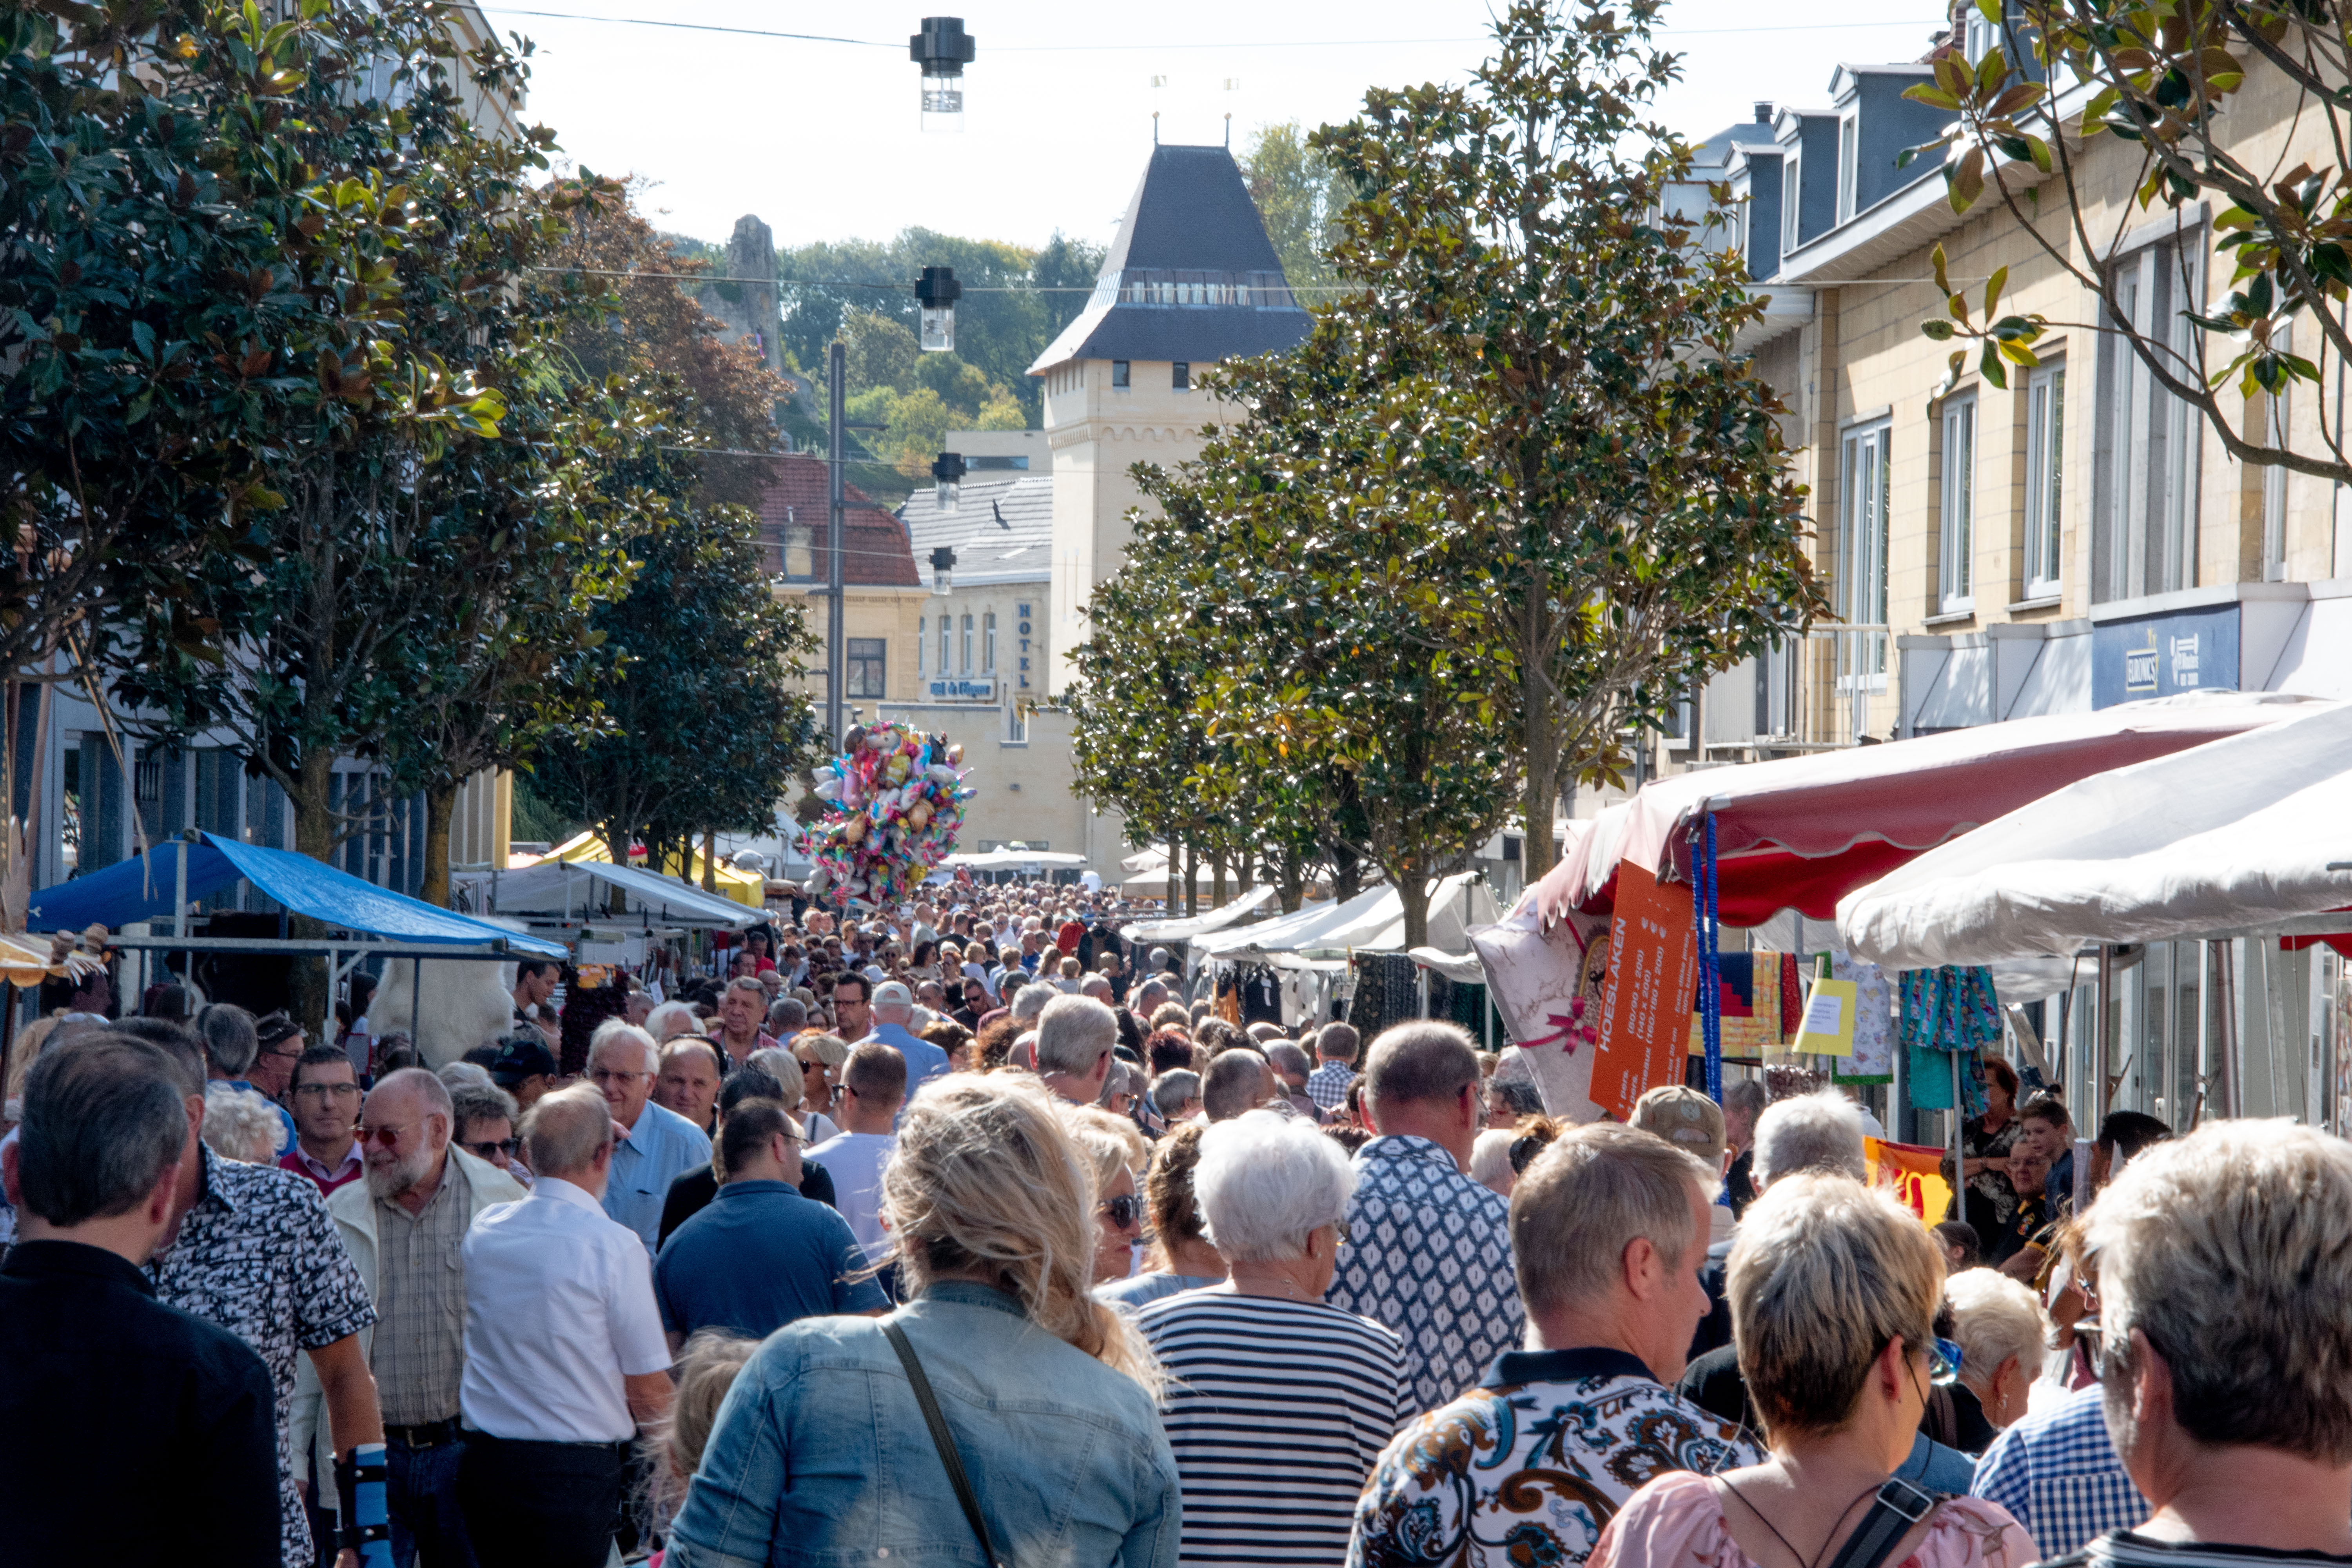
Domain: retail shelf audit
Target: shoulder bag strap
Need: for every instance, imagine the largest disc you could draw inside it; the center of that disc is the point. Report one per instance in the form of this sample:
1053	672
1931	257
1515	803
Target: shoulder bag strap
944	1440
1898	1506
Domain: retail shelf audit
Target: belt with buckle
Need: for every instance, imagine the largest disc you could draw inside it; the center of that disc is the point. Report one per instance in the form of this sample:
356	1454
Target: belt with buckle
426	1435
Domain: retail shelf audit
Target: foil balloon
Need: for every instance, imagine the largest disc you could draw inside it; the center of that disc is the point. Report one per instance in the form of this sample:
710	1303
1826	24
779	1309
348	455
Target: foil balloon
894	803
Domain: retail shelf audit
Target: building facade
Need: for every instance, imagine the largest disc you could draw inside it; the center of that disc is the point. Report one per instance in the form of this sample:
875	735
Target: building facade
1190	280
882	595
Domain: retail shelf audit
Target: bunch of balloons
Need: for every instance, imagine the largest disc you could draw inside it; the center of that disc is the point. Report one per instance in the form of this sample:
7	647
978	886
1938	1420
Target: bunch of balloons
894	800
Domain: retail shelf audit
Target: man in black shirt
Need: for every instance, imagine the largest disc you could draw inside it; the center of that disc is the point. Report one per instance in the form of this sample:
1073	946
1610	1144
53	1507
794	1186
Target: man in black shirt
145	1435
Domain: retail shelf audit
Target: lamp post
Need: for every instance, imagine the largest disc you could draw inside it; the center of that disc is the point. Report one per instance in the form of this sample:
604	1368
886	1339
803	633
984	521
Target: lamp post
937	291
942	48
836	369
946	476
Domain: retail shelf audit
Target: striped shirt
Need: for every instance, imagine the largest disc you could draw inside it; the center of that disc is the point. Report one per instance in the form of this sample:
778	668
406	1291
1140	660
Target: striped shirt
2123	1548
1276	1411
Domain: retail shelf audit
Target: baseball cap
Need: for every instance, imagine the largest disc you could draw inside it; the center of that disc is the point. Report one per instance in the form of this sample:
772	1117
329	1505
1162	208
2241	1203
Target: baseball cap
892	994
519	1058
1684	1118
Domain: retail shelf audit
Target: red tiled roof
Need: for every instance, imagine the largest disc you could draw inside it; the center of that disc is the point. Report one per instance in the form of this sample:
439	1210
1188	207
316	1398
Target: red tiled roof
874	541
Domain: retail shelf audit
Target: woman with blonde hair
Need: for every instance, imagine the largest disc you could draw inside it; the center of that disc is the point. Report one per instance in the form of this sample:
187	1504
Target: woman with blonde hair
1833	1290
822	1056
1001	1361
1119	1151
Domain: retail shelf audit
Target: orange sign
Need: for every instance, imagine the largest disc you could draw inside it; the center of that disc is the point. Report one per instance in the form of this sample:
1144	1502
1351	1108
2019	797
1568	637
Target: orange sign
1653	975
1915	1172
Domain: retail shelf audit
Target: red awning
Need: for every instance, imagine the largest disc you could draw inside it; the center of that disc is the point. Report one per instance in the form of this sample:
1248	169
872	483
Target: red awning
1801	832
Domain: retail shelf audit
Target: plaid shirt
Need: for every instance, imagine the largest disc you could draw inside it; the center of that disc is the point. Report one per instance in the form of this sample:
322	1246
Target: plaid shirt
1327	1086
419	1349
2057	1474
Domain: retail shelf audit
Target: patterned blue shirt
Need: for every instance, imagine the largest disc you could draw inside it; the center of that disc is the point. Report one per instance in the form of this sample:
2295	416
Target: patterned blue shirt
1429	1256
662	1147
2058	1475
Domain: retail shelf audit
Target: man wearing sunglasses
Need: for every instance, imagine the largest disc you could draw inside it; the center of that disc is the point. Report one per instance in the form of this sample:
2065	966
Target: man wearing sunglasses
403	1227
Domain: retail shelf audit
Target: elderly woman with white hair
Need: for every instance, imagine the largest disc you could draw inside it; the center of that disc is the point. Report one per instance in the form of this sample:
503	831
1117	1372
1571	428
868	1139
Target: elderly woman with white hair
1277	1404
2000	1329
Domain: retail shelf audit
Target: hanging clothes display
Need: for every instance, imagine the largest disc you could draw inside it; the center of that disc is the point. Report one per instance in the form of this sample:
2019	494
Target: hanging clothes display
1385	993
1228	1005
1947	1012
1873	1022
1261	995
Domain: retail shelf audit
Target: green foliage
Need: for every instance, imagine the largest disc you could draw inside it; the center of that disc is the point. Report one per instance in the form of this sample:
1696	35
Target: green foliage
2163	79
882	351
999	334
1613	467
1299	197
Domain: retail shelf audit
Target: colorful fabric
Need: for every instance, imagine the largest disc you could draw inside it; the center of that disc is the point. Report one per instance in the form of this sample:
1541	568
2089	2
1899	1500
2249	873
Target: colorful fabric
1874	1022
1792	997
1750	992
1946	1012
1526	1469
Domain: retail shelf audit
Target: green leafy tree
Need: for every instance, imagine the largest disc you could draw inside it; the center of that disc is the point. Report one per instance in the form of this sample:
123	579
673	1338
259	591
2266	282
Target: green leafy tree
882	351
1299	198
2158	123
1612	466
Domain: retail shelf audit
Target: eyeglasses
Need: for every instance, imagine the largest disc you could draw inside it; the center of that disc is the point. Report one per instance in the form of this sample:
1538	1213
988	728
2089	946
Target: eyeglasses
1126	1211
328	1091
490	1148
1943	1361
1339	1229
387	1136
612	1075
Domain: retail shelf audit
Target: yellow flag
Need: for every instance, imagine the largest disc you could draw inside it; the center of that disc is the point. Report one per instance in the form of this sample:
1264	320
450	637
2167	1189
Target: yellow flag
1915	1172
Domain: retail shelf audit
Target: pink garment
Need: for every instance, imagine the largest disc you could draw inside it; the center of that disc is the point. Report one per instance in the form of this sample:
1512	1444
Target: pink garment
1676	1522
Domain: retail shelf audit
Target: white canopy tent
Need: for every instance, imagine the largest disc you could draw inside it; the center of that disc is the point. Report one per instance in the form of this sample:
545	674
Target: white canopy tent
2251	834
575	890
1256	898
1371	922
1016	860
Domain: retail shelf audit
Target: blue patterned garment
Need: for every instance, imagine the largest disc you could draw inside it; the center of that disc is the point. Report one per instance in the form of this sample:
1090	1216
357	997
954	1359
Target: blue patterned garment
2057	1474
1429	1256
1525	1470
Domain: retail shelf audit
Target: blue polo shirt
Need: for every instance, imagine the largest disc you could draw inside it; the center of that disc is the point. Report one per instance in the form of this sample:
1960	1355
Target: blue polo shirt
662	1147
759	1257
925	1061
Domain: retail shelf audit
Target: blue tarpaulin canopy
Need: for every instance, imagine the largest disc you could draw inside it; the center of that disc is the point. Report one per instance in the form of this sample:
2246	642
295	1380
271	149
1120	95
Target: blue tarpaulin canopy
143	887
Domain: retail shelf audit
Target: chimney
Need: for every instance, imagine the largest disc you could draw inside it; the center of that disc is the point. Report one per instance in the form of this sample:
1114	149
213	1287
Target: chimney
1763	111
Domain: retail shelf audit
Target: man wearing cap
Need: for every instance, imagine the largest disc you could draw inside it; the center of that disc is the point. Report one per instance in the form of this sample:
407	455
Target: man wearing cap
1692	1124
894	1009
524	1068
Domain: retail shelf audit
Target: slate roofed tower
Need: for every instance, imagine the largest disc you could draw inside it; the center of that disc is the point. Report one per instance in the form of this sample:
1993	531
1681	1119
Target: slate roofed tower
1190	280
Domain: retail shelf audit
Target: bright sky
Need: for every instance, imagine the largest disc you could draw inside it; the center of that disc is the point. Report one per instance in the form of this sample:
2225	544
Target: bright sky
822	140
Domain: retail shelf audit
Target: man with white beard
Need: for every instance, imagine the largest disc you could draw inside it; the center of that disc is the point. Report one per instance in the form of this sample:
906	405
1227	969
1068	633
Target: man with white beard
403	1225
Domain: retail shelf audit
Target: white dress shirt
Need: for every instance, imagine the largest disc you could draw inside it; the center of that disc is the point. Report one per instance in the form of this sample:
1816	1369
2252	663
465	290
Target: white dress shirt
559	1307
854	1161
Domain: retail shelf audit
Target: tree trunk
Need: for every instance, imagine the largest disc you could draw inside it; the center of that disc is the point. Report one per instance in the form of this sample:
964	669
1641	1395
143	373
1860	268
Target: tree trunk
309	981
1346	873
709	860
1539	735
1192	887
1217	899
617	846
440	807
1412	890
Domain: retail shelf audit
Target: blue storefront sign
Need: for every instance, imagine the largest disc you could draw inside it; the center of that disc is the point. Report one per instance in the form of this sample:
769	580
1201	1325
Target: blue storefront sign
2163	654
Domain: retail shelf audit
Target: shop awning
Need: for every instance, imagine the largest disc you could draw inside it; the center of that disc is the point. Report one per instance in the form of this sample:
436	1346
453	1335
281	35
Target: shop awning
1801	832
143	887
1371	922
1014	860
1256	898
556	890
2252	834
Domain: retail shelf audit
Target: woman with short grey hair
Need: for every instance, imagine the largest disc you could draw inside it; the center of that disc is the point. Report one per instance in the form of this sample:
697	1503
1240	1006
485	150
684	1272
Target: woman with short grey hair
1277	1404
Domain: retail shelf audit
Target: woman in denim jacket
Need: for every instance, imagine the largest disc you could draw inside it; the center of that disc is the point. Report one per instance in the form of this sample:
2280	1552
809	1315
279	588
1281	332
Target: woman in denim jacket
821	1455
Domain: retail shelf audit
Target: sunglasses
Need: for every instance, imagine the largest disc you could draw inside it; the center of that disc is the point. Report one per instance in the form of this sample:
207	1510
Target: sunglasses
1943	1361
490	1148
1126	1211
387	1136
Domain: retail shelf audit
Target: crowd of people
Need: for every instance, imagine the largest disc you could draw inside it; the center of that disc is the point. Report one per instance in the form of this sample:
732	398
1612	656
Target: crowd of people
984	1234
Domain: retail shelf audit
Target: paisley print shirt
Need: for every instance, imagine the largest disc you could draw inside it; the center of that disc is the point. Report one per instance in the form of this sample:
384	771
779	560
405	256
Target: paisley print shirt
1429	1256
1525	1470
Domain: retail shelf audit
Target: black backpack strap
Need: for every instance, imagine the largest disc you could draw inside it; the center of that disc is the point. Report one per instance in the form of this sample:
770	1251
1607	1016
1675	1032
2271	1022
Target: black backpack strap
1898	1506
944	1440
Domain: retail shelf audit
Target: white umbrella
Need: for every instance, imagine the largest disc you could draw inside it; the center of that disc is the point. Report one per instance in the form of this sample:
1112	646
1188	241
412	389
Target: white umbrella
2252	834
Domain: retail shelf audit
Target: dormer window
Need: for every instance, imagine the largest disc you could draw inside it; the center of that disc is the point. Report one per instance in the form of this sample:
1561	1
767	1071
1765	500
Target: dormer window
1849	161
1791	183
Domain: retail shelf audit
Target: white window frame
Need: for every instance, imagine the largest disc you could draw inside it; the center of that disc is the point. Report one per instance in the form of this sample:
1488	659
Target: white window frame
1793	191
947	635
966	665
1849	166
923	654
2045	481
2149	444
1980	38
2276	413
1863	532
988	642
1956	519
